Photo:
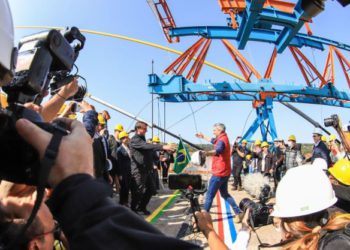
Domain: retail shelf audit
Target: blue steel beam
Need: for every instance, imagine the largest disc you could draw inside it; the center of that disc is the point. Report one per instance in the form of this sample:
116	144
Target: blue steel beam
259	35
245	28
179	89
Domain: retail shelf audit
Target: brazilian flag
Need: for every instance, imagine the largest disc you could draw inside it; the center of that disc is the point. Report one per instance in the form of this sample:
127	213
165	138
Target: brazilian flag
182	158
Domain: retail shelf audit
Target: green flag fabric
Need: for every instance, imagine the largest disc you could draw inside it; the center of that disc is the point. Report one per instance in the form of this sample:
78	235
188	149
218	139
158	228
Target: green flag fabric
182	158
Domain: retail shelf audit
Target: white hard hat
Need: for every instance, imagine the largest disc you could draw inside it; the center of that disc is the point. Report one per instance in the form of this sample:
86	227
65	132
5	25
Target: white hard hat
6	35
198	158
317	131
320	163
303	190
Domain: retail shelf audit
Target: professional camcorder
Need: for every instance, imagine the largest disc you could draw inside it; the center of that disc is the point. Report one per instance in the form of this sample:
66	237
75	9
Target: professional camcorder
332	121
44	59
259	211
191	186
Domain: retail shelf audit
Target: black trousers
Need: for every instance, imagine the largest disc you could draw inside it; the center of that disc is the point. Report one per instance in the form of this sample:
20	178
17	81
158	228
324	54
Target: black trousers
237	169
165	169
142	189
125	184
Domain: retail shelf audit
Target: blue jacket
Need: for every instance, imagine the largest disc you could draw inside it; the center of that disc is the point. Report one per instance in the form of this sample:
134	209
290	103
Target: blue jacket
321	151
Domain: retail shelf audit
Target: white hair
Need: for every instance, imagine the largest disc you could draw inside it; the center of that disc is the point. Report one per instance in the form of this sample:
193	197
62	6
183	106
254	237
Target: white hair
221	126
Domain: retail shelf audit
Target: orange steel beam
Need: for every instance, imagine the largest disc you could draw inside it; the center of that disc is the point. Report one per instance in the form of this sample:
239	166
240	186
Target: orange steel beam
308	70
197	66
184	55
343	62
190	57
240	5
243	64
328	72
166	19
271	65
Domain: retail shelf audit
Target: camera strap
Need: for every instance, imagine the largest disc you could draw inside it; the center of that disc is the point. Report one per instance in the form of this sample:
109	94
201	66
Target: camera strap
47	162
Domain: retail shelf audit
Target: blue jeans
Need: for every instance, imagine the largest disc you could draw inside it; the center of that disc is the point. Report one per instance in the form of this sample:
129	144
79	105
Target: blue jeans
219	183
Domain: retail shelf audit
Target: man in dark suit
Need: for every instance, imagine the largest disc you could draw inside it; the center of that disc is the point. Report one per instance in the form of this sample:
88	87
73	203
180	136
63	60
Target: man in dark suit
320	150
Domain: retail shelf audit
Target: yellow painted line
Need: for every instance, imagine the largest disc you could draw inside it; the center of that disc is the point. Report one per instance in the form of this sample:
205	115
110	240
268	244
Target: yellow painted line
99	33
162	206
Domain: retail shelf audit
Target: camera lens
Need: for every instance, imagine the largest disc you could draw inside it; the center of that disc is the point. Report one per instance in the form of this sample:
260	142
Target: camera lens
247	203
328	122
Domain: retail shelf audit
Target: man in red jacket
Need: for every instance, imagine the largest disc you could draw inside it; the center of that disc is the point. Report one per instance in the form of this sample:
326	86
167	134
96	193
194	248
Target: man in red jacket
221	167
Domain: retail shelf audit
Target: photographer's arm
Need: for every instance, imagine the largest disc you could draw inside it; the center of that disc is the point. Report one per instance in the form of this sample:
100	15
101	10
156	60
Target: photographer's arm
89	218
206	226
52	106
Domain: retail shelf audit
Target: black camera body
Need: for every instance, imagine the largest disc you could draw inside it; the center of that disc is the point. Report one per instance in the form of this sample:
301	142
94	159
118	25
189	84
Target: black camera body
259	211
41	56
332	121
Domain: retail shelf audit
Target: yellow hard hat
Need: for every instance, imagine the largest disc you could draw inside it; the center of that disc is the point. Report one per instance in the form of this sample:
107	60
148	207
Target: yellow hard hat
332	137
324	138
244	142
63	107
156	139
123	134
264	144
119	127
341	171
101	120
248	157
257	143
3	100
72	116
292	138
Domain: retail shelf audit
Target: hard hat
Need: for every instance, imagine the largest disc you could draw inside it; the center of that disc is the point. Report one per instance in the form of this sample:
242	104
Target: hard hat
317	131
156	139
198	158
332	137
244	142
3	100
63	107
264	144
324	138
292	138
123	134
303	190
257	143
72	116
101	120
277	140
320	163
248	157
118	127
6	36
341	171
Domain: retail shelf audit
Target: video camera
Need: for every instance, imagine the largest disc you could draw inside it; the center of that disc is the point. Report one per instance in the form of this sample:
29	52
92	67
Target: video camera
332	121
43	58
192	187
260	211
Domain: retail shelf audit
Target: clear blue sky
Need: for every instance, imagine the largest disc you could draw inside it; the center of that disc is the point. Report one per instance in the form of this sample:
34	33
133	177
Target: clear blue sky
117	70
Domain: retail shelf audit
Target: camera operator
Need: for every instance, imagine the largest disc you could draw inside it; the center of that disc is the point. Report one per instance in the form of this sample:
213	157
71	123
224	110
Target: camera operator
239	152
339	175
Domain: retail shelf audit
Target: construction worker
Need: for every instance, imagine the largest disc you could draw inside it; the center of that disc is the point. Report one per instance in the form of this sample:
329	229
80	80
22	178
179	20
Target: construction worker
336	151
293	157
156	162
265	159
256	149
123	158
340	178
303	196
320	149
